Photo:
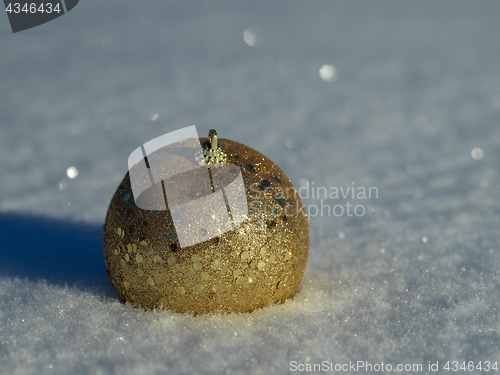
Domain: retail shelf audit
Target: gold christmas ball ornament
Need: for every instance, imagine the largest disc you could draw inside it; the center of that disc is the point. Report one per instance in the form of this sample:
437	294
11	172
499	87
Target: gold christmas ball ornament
204	225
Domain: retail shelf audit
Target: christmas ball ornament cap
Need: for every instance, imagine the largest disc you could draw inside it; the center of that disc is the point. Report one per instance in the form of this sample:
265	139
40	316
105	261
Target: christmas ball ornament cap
258	262
214	155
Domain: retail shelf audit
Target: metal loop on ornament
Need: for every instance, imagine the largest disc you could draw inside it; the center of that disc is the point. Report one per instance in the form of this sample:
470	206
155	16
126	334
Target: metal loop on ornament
214	155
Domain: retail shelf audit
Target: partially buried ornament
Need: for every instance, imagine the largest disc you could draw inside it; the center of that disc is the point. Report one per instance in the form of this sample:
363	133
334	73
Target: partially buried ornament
216	228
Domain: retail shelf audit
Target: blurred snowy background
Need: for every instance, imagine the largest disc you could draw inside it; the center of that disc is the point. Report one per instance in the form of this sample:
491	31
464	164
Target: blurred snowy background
402	96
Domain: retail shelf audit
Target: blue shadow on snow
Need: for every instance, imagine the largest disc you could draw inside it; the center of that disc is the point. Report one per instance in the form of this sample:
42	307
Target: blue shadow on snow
58	251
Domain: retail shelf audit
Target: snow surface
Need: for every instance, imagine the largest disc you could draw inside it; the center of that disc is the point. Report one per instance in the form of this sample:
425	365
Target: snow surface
414	90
